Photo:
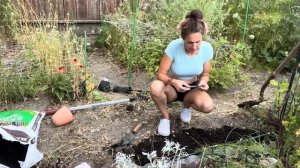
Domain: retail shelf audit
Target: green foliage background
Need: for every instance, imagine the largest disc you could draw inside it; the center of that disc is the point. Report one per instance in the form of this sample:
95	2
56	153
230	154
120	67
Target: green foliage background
156	27
272	31
8	19
274	24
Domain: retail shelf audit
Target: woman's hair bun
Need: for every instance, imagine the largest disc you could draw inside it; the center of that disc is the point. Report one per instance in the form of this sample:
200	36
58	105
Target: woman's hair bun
195	14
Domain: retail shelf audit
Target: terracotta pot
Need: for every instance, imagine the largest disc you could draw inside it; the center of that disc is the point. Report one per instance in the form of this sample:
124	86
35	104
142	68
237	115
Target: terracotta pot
62	116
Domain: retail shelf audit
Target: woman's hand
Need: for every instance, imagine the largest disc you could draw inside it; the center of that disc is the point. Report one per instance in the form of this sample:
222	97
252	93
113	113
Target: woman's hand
203	86
180	86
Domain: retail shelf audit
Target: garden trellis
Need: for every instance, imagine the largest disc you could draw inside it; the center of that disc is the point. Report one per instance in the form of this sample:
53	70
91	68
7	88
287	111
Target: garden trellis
246	20
132	42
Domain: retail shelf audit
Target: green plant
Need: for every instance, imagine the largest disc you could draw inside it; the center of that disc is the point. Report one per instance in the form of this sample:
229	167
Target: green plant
292	127
59	56
61	86
279	94
289	119
271	30
228	60
18	85
51	60
172	153
102	37
247	152
97	96
8	19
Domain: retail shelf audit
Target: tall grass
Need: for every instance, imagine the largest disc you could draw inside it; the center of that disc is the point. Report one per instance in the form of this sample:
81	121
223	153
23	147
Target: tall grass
8	20
53	59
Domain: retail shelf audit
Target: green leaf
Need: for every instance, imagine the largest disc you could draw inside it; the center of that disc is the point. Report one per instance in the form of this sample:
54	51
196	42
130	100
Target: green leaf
274	83
96	93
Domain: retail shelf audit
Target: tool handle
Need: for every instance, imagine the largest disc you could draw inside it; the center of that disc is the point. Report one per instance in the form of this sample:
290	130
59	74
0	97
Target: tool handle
50	111
137	128
278	70
121	89
94	105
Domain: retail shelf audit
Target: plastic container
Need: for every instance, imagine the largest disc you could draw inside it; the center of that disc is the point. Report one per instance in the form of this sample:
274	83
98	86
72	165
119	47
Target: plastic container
62	116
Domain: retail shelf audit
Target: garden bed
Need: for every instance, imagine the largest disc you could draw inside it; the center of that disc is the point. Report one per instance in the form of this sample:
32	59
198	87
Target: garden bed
88	137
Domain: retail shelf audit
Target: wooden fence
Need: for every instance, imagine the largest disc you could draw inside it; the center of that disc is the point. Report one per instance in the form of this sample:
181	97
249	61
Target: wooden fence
76	10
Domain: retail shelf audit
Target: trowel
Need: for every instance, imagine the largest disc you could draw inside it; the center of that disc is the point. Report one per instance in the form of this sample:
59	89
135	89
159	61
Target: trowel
129	137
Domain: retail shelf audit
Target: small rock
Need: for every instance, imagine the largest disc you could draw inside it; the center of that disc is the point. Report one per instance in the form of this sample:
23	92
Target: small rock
272	160
192	158
83	165
130	108
268	162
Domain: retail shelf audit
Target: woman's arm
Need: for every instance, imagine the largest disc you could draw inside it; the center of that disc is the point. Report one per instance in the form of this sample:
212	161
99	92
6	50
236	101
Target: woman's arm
162	75
163	70
204	77
206	69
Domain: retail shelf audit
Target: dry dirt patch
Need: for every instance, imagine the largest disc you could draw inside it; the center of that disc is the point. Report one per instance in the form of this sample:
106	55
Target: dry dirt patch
86	139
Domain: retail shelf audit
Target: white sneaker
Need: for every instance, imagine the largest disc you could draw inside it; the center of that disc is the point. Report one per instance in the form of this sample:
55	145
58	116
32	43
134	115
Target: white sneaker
185	115
164	127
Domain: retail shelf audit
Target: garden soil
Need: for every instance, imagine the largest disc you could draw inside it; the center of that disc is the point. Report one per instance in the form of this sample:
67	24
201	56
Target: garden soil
89	137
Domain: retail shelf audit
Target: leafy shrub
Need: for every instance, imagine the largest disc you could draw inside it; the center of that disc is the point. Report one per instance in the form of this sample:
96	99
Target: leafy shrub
101	38
51	61
229	58
60	56
272	28
146	54
289	119
61	87
16	85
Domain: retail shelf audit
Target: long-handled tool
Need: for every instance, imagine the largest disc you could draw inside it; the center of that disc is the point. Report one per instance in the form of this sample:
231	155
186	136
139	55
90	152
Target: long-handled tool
94	105
272	76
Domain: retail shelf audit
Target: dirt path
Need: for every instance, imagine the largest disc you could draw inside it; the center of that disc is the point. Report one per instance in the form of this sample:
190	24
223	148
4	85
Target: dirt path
93	130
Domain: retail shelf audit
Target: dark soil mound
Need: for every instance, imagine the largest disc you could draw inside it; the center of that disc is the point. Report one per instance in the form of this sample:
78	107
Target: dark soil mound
192	139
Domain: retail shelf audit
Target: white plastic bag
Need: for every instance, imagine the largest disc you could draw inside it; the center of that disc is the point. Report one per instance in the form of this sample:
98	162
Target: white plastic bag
18	138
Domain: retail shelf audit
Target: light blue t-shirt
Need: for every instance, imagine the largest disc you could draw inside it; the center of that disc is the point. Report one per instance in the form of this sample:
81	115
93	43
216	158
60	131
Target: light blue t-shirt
185	67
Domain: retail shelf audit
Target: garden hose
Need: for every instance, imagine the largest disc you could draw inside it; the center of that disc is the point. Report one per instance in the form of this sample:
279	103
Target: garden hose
132	43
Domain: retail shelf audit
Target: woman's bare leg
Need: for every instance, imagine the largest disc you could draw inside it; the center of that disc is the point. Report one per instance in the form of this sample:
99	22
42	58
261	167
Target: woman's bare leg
199	100
161	95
